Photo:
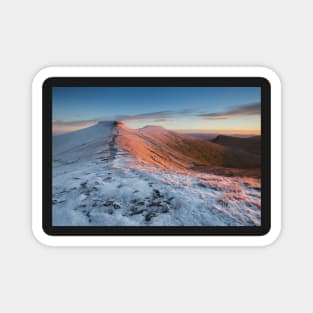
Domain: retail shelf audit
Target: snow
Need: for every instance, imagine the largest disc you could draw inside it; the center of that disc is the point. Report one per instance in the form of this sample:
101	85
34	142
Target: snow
96	182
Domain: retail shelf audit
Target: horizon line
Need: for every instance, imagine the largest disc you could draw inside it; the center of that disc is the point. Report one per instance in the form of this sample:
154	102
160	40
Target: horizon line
66	127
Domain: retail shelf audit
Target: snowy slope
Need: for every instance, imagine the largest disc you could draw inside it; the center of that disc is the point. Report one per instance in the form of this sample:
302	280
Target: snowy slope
109	174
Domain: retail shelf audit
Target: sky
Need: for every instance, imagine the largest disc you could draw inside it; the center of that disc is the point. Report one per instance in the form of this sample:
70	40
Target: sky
225	110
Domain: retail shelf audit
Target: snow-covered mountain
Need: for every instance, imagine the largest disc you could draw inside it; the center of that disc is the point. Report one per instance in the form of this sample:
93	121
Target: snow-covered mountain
109	174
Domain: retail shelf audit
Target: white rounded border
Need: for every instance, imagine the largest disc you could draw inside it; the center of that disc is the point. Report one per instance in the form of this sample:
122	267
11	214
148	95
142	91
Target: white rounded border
125	241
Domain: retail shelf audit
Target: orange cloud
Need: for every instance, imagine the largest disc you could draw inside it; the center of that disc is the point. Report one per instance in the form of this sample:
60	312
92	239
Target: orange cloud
60	127
244	110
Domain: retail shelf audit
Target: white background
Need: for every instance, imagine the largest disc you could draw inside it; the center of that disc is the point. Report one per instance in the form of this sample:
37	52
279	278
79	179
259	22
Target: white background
35	34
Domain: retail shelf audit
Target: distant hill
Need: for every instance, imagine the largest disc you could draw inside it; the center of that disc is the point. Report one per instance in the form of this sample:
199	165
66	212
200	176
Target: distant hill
249	144
203	136
158	146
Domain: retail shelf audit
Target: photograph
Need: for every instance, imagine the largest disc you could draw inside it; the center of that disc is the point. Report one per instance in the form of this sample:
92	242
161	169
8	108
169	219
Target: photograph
156	156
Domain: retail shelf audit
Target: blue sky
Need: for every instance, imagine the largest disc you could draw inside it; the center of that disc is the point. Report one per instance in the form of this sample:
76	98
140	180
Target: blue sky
177	108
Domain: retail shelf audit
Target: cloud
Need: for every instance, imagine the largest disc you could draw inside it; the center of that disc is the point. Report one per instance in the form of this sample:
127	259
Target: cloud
252	109
160	116
62	127
244	110
147	116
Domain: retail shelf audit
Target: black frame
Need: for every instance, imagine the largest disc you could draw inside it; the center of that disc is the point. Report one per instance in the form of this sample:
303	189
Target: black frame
157	82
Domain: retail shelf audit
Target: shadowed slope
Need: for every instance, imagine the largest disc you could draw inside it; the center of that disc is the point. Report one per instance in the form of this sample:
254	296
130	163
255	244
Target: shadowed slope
250	144
85	144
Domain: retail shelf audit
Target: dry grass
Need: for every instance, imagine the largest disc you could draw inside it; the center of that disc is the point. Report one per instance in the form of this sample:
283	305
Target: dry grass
157	146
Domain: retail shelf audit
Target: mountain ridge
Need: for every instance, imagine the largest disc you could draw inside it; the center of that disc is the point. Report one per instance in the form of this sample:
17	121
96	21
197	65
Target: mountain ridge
158	146
112	175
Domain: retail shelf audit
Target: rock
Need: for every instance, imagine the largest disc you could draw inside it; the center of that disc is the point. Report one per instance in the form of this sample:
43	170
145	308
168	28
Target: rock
164	210
156	193
154	203
135	211
150	215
